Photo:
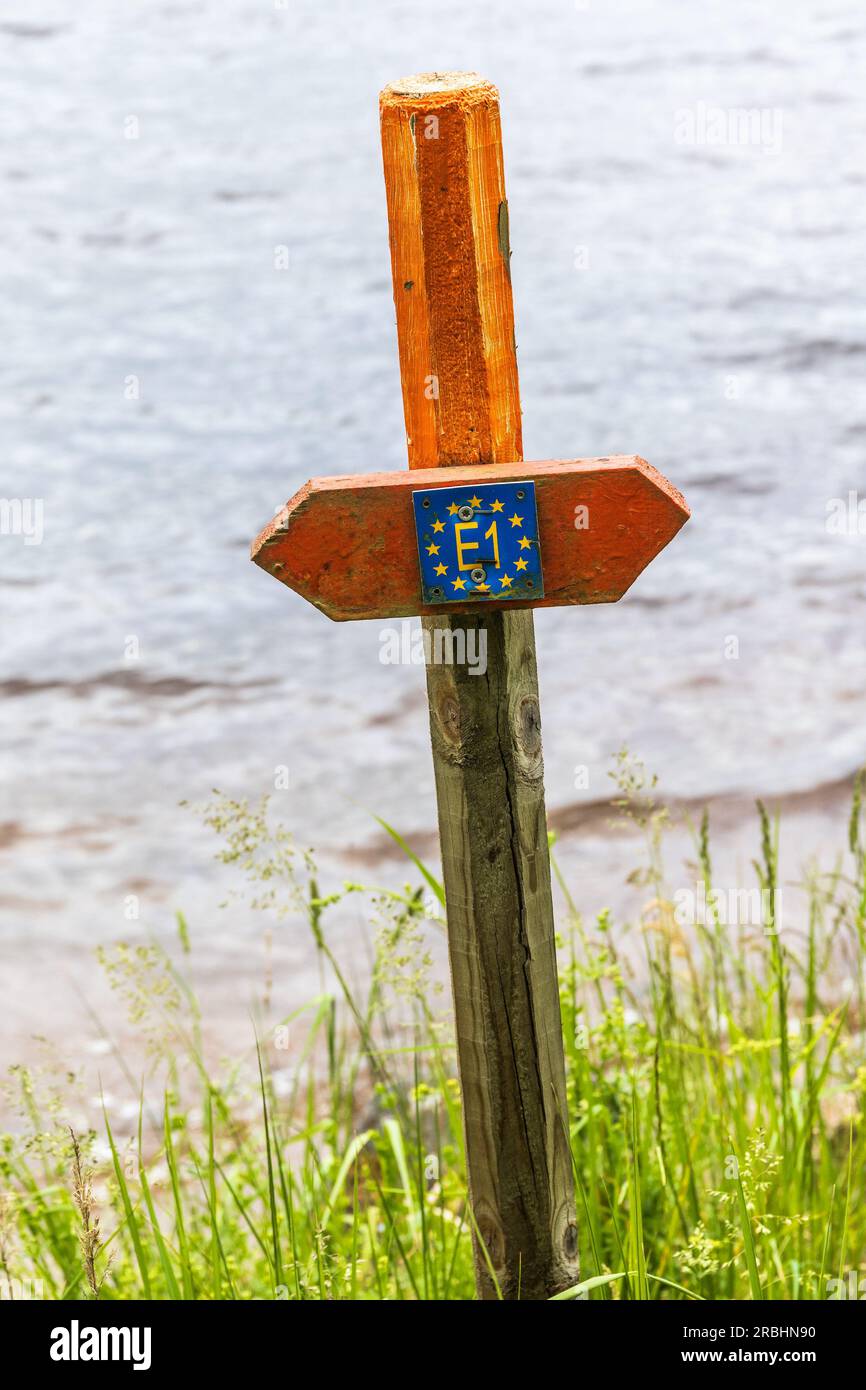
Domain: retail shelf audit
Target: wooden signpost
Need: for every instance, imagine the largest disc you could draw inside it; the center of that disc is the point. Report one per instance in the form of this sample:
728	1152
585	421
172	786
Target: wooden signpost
474	537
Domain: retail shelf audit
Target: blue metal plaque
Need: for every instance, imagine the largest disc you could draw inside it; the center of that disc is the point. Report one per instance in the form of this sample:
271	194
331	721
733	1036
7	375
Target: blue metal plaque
478	543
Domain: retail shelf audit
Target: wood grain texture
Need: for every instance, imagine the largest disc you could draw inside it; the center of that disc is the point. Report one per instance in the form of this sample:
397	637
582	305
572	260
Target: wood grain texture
348	544
452	291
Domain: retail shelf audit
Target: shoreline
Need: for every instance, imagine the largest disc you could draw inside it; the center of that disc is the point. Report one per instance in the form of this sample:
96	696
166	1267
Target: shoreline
56	998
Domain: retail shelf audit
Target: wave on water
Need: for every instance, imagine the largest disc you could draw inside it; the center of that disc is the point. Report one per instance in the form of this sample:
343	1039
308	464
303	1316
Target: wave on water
134	682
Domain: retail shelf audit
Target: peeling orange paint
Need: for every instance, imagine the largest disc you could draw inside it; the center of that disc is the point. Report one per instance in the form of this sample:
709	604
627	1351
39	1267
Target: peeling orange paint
348	544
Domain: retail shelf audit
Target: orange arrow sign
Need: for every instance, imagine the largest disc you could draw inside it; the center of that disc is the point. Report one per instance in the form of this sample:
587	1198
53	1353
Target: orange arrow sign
348	544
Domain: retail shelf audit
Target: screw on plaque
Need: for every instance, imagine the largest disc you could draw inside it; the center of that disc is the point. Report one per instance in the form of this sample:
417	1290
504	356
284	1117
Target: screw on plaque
464	513
477	575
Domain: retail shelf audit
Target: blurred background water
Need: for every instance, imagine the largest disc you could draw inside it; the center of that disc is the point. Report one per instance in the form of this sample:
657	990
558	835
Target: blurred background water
165	386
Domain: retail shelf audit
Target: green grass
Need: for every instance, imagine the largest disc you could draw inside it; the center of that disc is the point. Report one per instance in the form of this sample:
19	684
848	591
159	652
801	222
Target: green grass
716	1099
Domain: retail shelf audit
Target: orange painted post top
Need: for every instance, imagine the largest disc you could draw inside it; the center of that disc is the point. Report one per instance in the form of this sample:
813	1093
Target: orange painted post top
348	545
450	260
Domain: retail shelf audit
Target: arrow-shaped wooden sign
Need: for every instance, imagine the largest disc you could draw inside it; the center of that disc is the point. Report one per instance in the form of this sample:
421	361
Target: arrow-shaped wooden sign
353	547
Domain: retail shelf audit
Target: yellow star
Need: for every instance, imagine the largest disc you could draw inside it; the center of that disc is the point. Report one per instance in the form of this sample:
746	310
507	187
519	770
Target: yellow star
438	525
505	581
432	549
525	543
497	506
453	509
475	501
441	569
521	564
482	588
459	583
516	520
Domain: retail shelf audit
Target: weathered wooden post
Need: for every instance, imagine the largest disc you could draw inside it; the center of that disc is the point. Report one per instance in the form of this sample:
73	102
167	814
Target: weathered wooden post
448	220
472	537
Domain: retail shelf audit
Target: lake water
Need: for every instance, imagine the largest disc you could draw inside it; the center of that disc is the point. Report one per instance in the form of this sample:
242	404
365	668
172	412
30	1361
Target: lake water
686	287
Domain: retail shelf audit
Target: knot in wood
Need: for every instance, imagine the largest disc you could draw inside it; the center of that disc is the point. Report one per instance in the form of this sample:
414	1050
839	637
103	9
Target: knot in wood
527	735
448	716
